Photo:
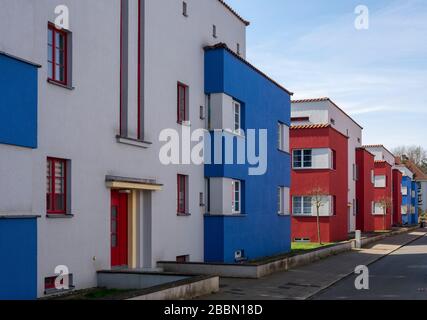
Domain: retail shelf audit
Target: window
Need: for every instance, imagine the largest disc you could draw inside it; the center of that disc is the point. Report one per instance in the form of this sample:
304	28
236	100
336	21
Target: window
202	199
404	191
214	31
334	160
373	177
380	181
302	158
182	188
184	9
236	197
332	121
238	49
183	259
355	207
208	194
300	119
57	55
182	103
378	209
56	178
302	206
283	200
64	284
404	209
355	172
237	112
283	137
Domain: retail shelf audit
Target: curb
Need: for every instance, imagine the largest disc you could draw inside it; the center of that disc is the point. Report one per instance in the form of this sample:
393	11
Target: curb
370	263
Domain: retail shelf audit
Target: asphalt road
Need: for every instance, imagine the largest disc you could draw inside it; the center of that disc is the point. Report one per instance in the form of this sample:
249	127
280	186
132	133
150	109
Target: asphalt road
400	275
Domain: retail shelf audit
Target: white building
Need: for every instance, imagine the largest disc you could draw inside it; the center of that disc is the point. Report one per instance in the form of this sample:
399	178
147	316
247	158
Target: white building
325	111
101	110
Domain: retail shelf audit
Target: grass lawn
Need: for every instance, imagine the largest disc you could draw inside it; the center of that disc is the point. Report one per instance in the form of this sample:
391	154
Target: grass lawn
306	246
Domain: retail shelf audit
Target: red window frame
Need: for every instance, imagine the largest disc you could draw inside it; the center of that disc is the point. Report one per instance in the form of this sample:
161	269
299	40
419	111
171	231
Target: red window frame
182	181
181	102
52	47
51	195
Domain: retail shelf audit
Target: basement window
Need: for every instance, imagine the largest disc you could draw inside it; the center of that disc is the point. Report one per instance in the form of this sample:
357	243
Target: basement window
50	286
183	259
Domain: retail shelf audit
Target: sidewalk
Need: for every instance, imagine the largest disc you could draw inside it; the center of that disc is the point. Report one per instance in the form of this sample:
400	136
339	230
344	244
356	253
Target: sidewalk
302	283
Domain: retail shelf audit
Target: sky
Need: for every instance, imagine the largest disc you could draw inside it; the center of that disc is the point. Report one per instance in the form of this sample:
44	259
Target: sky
377	75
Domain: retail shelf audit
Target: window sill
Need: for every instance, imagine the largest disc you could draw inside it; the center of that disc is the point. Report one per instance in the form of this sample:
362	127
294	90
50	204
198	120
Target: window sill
56	83
183	214
133	142
59	216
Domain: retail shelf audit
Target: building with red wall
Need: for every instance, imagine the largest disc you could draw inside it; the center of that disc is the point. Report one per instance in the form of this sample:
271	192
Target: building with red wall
383	192
397	197
365	190
319	161
385	162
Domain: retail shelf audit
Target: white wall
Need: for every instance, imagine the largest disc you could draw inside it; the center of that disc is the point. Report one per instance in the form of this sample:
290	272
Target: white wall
81	124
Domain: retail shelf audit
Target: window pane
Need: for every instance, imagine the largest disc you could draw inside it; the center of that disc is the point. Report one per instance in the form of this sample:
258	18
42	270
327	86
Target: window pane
49	53
297	157
114	240
49	36
59	73
59	57
307	205
297	205
59	40
59	202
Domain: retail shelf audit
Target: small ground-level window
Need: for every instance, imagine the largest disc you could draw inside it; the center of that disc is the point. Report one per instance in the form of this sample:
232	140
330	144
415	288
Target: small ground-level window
58	283
183	259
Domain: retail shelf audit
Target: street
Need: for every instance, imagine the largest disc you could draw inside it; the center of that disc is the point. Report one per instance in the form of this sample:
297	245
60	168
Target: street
398	267
400	275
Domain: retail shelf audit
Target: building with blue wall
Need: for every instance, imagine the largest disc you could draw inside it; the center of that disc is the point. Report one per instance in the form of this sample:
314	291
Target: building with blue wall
18	137
248	205
414	203
406	199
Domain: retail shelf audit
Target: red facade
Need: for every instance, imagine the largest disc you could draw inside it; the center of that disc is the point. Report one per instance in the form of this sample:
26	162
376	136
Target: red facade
397	197
365	190
384	222
334	181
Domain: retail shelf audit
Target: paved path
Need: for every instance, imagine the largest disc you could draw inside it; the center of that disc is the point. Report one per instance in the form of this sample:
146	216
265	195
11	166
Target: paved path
401	275
304	282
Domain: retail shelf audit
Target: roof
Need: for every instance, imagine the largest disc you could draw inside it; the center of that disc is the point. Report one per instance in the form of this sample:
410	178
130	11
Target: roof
418	173
20	59
310	126
378	146
324	99
315	126
222	45
234	12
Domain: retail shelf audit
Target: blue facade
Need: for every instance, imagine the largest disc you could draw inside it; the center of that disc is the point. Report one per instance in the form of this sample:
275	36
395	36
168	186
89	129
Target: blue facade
18	102
18	258
410	200
259	231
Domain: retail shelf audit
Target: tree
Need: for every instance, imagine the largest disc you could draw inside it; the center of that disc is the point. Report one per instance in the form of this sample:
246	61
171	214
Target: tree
385	203
416	154
318	199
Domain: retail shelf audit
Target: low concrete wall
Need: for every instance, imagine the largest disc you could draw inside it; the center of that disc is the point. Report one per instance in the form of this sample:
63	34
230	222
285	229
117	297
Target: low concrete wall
258	270
196	288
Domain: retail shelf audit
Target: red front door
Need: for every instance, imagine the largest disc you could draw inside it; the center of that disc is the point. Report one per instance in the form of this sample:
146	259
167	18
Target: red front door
119	229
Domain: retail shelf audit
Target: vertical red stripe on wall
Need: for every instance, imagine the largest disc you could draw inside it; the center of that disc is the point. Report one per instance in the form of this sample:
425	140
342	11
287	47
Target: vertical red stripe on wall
139	68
